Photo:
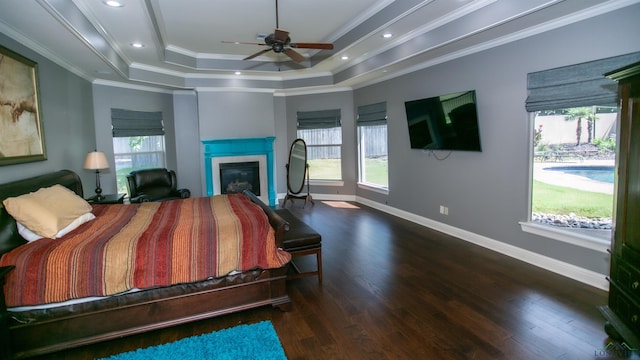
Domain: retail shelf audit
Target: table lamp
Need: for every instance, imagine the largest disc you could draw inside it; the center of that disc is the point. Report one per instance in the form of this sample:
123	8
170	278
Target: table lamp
96	161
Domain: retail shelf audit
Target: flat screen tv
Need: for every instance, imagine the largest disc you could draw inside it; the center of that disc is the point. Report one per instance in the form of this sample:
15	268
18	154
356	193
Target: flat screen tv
446	122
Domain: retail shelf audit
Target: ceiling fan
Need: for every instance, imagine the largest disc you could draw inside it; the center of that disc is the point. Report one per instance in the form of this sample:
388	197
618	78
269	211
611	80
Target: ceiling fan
280	42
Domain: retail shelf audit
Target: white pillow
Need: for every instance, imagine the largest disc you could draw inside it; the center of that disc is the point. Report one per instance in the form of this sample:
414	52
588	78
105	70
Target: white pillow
31	236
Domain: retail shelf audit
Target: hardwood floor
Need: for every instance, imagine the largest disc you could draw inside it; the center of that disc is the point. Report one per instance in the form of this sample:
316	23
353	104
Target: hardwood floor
396	290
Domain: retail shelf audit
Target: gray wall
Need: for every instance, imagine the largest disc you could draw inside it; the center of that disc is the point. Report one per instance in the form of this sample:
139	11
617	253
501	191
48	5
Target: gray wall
282	144
236	114
342	100
188	149
143	99
67	116
487	192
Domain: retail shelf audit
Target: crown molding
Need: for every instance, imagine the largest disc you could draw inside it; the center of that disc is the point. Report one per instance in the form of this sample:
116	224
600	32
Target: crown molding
32	45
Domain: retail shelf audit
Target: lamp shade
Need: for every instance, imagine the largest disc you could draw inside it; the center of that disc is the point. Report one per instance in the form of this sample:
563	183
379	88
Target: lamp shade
96	161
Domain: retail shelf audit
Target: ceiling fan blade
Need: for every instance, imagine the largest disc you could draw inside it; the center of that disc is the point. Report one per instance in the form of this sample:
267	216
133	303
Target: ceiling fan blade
243	43
294	55
321	46
281	35
257	54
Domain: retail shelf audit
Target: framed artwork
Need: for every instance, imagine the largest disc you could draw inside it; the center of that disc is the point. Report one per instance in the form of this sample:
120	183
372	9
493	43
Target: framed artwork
21	130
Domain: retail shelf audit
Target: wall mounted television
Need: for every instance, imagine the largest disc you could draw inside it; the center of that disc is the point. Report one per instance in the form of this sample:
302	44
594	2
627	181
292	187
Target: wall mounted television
446	122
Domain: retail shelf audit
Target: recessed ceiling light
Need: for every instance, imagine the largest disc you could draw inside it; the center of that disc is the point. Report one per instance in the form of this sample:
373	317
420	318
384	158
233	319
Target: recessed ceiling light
114	3
137	45
344	57
387	35
238	73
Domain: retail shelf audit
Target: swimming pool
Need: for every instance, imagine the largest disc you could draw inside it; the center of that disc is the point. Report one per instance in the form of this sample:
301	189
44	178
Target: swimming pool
597	173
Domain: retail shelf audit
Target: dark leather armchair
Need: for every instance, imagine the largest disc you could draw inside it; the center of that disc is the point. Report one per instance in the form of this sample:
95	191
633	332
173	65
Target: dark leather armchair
154	185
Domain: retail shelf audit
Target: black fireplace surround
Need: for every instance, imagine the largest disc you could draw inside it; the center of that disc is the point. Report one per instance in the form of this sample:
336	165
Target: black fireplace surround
239	176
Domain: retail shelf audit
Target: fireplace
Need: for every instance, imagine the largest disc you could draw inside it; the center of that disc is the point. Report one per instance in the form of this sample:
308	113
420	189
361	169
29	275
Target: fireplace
236	177
236	164
233	174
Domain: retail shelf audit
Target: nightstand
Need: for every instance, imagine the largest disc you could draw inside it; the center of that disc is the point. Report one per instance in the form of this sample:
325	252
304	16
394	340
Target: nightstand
107	199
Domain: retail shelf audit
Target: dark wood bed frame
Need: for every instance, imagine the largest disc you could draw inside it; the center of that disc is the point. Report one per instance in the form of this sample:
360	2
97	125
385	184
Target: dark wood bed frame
130	313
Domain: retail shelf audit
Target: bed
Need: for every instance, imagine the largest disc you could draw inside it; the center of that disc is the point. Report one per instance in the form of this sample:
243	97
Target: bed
159	293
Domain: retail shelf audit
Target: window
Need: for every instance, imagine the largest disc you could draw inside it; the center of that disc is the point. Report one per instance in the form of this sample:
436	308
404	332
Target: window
573	118
138	142
573	169
322	132
373	169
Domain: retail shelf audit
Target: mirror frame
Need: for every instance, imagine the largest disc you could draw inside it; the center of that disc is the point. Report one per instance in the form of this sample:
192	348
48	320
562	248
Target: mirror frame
296	190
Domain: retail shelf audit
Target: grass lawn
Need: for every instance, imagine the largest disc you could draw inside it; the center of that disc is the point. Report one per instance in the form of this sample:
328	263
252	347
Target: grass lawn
325	169
552	199
329	169
377	170
548	199
121	180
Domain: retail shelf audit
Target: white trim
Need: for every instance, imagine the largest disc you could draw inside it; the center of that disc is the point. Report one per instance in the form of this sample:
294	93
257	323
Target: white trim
27	42
333	197
124	85
567	236
374	188
571	271
326	182
515	36
574	272
227	76
311	90
325	197
203	89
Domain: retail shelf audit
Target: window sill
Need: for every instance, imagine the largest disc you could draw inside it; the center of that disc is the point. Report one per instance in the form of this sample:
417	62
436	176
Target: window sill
326	182
568	236
374	188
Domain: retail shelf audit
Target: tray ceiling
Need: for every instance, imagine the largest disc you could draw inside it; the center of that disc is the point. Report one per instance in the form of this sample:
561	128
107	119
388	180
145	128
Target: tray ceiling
183	42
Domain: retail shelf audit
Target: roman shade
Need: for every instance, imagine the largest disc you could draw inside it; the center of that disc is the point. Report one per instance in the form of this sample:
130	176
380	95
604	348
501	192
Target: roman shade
576	85
321	119
127	123
373	114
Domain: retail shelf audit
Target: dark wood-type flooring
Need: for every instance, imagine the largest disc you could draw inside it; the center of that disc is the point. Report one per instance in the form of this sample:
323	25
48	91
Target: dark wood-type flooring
396	290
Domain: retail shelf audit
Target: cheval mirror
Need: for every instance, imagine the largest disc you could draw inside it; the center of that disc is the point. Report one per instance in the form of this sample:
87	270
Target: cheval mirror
297	173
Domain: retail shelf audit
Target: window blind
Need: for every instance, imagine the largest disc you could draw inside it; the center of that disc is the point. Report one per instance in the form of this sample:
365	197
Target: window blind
127	123
321	119
576	85
372	114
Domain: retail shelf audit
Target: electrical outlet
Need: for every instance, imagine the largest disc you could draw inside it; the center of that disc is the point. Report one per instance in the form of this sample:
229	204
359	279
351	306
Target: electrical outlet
444	210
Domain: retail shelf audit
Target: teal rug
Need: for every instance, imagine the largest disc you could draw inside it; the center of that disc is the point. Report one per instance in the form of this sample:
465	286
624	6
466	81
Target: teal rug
254	341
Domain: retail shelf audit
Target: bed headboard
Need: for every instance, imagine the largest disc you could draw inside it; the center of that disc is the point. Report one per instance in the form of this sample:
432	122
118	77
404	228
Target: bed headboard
9	237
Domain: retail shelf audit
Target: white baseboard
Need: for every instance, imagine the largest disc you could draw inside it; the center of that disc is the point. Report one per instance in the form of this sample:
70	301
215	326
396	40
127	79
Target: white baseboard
328	197
577	273
571	271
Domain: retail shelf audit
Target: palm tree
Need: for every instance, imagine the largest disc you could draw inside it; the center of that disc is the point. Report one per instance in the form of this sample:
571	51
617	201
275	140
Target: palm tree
591	119
578	113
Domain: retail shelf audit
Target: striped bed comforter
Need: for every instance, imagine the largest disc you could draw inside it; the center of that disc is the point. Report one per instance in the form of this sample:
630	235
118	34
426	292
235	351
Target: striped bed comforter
144	246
